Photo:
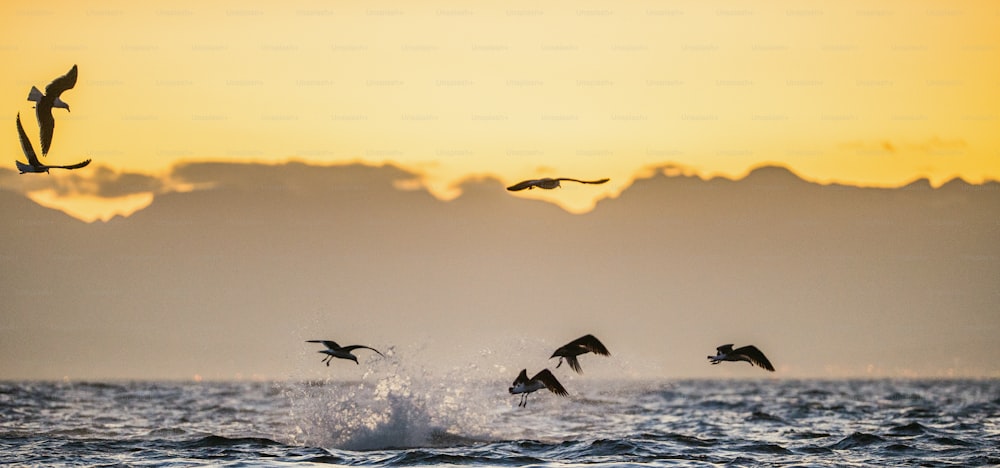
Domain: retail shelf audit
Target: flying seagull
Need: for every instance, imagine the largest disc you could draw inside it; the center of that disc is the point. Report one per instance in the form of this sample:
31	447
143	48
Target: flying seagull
543	379
584	344
747	353
45	103
34	165
548	184
334	350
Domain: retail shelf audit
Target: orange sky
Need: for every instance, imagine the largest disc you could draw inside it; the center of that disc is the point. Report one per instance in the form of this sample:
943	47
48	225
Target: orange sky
846	92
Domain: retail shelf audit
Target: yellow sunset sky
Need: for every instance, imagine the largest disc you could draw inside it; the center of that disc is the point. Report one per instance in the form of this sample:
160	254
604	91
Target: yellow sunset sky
852	92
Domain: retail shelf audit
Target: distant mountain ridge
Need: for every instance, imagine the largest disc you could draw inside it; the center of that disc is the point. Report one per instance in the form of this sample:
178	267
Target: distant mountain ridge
352	177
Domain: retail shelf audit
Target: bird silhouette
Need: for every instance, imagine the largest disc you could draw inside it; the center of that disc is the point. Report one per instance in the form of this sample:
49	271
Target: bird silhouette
544	379
34	165
548	184
334	350
582	345
45	103
748	353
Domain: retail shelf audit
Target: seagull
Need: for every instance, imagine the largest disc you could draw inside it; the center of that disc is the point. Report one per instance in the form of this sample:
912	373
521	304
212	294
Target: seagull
747	353
584	344
548	184
543	379
43	110
34	165
334	350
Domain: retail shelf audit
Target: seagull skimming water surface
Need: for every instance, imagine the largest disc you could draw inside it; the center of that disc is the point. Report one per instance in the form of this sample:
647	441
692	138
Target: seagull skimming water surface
748	353
544	379
334	350
582	345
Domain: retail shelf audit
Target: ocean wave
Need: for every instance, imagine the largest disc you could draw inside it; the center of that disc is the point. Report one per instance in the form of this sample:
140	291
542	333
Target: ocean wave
857	440
384	418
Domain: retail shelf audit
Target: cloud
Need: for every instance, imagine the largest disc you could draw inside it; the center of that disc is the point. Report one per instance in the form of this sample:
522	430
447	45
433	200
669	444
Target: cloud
294	176
488	183
101	181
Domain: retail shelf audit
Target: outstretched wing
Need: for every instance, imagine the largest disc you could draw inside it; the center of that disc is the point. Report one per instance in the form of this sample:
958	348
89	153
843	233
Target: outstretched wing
58	85
29	150
755	356
546	377
592	344
599	181
725	349
523	185
73	166
357	346
329	344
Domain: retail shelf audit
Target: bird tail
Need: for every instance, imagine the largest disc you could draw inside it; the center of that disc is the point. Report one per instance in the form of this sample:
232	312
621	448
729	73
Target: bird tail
24	167
35	94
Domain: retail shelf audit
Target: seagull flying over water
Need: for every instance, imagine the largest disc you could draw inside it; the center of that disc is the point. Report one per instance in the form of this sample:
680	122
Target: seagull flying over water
748	353
334	350
34	165
582	345
543	379
548	184
45	103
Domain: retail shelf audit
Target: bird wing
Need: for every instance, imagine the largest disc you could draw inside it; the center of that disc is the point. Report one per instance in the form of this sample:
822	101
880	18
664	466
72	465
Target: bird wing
725	349
357	346
599	181
58	85
523	185
592	344
329	344
755	356
29	150
522	377
72	166
46	127
546	377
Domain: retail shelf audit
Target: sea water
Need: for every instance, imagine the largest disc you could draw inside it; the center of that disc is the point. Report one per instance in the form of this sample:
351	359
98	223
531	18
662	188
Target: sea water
400	420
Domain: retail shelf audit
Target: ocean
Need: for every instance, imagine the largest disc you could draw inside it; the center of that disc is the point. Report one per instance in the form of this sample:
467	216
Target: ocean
398	420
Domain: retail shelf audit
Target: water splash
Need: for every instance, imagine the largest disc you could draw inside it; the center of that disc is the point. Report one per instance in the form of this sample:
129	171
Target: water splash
394	406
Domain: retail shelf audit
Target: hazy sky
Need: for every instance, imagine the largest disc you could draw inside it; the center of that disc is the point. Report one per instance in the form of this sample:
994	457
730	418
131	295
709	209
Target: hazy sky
872	94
